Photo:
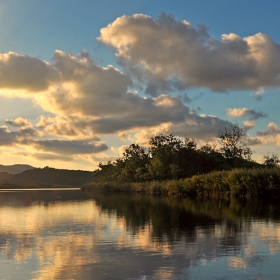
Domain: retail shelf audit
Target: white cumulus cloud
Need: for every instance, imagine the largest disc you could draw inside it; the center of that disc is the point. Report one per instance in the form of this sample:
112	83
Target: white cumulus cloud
166	54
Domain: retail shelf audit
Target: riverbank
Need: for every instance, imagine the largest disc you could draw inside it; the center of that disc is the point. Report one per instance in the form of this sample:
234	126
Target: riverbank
235	183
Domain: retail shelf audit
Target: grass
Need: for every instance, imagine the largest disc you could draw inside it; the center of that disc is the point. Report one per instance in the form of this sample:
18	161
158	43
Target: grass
235	183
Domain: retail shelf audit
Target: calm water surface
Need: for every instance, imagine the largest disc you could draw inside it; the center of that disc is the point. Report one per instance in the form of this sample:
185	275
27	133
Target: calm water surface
68	234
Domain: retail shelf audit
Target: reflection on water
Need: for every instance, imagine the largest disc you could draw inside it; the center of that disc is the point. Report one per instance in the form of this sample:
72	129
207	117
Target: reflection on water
74	235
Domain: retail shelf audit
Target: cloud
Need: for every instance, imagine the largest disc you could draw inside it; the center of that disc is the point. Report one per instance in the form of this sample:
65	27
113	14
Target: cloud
27	137
62	126
97	100
68	147
251	141
249	124
168	54
89	100
21	122
258	93
124	136
86	88
83	100
242	112
9	138
203	128
49	156
273	129
23	72
269	136
186	99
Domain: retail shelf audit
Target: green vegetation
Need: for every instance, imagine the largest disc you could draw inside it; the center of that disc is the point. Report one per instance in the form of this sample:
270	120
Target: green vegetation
221	184
173	166
168	158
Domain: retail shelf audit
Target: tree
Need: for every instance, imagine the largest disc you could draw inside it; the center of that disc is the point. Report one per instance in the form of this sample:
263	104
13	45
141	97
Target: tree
168	142
135	164
271	161
232	145
134	151
190	143
163	150
209	147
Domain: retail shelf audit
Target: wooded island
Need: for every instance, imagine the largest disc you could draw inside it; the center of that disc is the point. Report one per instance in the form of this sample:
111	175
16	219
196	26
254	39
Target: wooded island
172	165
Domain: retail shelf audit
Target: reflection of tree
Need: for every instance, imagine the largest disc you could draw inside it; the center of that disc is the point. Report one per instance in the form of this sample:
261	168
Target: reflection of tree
144	233
174	218
169	218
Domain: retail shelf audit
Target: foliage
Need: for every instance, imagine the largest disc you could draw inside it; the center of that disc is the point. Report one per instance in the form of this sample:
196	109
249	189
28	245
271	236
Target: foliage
256	182
171	158
271	161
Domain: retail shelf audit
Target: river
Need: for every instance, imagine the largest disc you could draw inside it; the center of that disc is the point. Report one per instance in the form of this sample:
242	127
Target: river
70	234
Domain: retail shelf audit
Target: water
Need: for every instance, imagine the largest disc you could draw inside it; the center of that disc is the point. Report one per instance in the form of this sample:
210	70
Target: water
69	234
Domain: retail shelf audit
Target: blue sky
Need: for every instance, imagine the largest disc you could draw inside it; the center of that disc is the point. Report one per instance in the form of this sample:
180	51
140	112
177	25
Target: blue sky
81	80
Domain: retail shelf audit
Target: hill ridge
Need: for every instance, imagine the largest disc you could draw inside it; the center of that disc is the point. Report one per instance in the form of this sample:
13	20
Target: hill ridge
47	177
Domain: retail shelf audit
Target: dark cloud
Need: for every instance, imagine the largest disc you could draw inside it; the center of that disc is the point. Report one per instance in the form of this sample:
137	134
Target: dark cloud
27	137
68	146
25	72
199	127
9	138
254	115
186	99
253	141
48	156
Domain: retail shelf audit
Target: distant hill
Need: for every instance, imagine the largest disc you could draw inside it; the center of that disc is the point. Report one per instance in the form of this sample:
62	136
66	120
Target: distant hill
47	177
15	169
4	176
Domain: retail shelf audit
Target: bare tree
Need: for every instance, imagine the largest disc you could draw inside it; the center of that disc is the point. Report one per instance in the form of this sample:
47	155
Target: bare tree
232	144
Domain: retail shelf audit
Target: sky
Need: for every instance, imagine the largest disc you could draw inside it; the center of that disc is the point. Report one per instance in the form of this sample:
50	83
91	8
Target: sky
82	80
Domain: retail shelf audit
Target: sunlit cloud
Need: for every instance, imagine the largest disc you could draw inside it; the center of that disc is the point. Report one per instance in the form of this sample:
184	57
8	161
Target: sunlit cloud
63	126
267	137
242	112
81	101
188	56
249	124
21	122
95	106
124	136
273	129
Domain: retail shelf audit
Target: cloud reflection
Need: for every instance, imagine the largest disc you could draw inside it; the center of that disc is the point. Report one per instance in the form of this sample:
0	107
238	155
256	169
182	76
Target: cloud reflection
77	239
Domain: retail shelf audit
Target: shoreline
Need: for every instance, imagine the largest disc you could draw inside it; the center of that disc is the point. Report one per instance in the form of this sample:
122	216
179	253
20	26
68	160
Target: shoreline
39	188
261	182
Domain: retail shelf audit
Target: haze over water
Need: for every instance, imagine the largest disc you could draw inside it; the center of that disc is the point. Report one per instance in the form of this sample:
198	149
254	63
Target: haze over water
68	234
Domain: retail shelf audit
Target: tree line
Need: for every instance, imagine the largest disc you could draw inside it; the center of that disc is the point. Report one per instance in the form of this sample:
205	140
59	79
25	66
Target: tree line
168	157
